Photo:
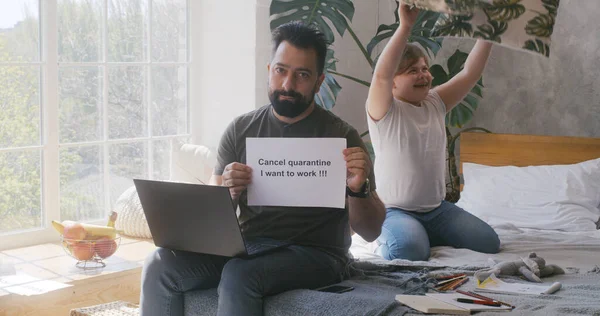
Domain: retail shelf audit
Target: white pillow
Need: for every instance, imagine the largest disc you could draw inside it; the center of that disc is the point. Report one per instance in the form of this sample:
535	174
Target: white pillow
130	215
554	197
191	163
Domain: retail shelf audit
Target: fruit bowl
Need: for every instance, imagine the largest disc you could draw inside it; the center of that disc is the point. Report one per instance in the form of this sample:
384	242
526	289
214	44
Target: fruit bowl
90	253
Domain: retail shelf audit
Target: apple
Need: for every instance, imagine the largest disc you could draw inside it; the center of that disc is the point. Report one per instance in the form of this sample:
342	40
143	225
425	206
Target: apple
83	251
74	231
105	247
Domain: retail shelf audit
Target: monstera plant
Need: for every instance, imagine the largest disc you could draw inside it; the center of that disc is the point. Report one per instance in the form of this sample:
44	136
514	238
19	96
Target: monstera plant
328	15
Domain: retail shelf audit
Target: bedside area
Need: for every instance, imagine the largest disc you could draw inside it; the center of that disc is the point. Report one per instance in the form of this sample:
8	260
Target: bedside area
119	280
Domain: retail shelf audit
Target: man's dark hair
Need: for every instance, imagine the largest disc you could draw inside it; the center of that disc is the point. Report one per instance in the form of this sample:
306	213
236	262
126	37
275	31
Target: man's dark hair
302	36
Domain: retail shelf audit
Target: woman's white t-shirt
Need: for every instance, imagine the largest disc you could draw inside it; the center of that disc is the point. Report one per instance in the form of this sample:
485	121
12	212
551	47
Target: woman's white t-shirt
410	154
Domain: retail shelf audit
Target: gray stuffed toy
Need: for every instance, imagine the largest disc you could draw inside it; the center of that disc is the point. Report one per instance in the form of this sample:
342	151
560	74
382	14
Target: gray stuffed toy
532	268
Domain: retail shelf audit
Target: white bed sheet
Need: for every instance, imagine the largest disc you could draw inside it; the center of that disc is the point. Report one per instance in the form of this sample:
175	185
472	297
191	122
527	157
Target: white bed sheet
575	251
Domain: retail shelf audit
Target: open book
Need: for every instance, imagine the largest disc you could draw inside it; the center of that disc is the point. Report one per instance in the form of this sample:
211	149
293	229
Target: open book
433	303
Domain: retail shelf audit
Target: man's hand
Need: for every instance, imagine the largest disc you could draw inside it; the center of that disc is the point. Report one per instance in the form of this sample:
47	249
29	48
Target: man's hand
358	167
366	215
236	177
408	15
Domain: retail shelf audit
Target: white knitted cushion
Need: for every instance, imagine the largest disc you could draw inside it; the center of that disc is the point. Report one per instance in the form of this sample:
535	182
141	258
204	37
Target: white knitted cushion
189	163
131	219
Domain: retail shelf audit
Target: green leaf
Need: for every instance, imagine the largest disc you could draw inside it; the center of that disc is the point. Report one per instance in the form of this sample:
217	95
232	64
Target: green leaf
491	31
551	6
420	33
432	45
477	89
459	116
456	62
439	75
462	113
425	22
330	60
328	93
471	102
383	32
462	6
538	46
540	26
330	88
455	25
314	12
504	10
384	27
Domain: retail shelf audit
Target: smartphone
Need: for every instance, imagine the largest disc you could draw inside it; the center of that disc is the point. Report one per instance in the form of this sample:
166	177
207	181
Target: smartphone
335	289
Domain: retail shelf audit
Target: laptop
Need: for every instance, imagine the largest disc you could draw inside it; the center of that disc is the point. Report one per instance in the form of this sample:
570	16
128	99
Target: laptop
197	218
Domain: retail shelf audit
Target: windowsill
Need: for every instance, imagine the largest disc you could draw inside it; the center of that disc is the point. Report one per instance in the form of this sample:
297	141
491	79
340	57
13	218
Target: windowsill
89	287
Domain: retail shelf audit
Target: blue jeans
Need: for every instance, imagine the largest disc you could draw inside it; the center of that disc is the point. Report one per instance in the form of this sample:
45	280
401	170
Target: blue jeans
409	235
242	283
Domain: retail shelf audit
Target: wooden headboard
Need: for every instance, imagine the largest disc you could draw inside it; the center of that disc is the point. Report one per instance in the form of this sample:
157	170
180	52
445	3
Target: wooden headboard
526	150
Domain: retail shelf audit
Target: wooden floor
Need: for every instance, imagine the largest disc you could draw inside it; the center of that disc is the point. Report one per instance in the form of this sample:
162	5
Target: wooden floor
118	281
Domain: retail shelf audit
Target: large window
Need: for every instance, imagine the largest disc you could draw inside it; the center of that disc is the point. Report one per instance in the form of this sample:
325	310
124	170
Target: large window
91	94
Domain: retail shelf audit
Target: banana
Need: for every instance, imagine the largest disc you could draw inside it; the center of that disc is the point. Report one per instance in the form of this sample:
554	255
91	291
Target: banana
92	231
97	231
60	227
112	218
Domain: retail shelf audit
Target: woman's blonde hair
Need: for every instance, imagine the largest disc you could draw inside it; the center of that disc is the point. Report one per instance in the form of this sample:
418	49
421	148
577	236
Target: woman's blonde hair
412	54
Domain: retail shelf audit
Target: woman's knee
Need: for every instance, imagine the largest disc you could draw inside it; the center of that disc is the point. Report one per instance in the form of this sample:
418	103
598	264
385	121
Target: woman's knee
490	243
403	237
407	245
411	250
484	239
480	237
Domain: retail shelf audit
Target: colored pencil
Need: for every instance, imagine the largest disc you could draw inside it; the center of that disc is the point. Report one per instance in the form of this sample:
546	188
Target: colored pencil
445	286
453	285
480	302
475	295
461	282
450	280
453	276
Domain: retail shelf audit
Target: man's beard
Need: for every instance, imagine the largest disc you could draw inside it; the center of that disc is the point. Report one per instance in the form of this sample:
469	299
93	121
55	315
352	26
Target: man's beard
289	108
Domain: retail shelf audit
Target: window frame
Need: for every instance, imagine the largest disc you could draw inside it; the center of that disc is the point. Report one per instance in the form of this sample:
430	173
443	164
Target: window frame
50	146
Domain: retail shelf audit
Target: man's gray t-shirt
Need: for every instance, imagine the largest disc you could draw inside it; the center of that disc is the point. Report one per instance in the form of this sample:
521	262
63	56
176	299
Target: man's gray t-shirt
310	226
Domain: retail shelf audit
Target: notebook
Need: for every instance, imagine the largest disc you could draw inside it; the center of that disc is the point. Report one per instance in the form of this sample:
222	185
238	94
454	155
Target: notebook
433	303
494	285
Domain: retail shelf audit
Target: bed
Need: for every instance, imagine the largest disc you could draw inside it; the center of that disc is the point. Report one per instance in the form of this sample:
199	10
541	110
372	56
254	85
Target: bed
579	250
377	280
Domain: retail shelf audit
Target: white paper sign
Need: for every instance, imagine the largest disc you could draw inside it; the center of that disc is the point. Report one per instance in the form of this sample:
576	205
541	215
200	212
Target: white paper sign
307	172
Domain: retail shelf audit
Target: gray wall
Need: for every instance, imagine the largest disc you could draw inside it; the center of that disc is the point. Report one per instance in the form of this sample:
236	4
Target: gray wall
530	94
525	93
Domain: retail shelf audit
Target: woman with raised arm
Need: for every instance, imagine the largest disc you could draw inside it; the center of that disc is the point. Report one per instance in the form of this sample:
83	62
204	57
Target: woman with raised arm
407	126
